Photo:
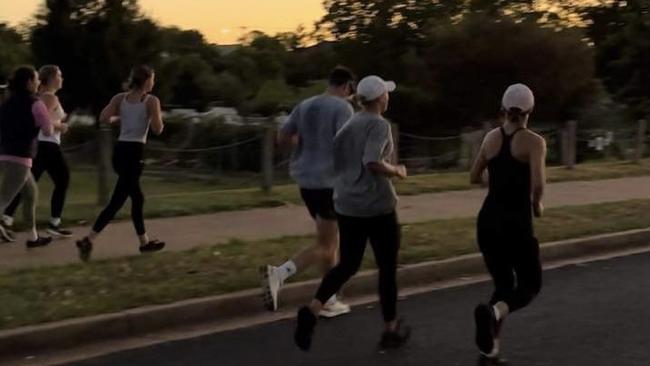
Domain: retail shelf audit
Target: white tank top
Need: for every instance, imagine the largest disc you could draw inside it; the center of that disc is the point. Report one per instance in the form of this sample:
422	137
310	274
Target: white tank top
56	115
134	121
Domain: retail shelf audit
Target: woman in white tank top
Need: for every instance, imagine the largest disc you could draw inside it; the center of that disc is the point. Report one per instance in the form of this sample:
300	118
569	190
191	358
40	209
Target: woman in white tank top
137	111
49	157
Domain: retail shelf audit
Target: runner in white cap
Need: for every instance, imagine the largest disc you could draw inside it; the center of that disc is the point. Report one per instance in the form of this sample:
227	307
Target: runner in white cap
515	158
364	200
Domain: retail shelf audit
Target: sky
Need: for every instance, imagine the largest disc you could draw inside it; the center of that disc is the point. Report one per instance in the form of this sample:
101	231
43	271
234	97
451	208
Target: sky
220	21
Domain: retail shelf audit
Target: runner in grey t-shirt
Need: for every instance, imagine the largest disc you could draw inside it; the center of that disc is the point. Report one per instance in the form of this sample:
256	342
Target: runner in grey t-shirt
311	127
365	206
358	190
316	121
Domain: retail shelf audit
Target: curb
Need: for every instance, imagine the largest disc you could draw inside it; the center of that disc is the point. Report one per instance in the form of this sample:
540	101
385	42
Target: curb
146	320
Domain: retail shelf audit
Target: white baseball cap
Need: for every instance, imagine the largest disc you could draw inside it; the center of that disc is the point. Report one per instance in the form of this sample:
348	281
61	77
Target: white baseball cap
372	87
518	96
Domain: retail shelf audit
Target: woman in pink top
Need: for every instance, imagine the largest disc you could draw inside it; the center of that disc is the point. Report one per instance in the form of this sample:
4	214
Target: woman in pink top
49	158
22	117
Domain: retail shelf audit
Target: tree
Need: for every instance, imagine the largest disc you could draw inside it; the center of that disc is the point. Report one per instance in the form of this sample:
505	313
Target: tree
272	97
14	51
95	42
473	61
188	81
178	42
621	35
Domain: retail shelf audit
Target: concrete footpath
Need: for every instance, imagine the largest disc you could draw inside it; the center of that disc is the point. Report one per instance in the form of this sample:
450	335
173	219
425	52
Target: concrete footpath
182	233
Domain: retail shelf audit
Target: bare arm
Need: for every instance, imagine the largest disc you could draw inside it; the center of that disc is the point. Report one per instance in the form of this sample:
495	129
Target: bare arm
374	155
287	139
538	175
288	134
42	118
112	110
388	169
52	102
155	114
476	175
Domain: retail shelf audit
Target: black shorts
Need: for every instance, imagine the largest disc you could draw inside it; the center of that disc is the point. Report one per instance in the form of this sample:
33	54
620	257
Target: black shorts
319	202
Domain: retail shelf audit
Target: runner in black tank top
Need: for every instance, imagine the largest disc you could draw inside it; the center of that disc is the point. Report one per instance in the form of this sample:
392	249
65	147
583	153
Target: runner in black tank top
505	222
507	206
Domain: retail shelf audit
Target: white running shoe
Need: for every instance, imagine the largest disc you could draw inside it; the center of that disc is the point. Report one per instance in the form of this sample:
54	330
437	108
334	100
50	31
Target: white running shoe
333	309
271	284
6	234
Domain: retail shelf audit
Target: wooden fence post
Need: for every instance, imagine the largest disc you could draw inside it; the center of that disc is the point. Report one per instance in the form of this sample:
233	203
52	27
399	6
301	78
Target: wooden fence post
268	145
104	137
395	132
640	140
569	142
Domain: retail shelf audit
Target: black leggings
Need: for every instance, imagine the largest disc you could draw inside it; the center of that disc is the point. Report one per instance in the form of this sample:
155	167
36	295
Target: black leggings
511	254
384	235
128	164
50	159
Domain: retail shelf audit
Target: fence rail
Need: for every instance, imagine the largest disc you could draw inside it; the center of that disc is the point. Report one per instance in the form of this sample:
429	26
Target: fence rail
421	153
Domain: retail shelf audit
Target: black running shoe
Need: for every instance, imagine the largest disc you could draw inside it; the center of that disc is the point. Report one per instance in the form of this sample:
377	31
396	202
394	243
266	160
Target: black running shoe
85	247
396	338
152	246
492	361
41	241
58	231
305	328
6	234
486	325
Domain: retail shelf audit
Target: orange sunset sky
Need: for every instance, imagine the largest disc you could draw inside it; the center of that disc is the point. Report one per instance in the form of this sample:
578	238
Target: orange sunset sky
221	21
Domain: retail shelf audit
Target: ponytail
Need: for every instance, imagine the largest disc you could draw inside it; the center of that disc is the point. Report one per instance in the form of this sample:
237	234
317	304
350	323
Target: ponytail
515	115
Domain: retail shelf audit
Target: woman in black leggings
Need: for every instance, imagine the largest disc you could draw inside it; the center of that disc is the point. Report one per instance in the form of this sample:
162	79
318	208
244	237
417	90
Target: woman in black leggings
515	158
49	157
136	111
364	200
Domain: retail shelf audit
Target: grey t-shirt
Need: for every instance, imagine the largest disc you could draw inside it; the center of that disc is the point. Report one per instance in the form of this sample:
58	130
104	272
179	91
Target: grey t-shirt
316	121
359	192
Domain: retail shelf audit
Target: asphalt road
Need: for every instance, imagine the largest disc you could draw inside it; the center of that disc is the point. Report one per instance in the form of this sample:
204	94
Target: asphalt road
591	314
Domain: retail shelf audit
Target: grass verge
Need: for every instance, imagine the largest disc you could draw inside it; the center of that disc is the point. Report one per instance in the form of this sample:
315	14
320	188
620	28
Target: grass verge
33	296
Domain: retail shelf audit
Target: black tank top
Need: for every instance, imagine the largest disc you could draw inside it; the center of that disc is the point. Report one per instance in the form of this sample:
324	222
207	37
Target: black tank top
509	187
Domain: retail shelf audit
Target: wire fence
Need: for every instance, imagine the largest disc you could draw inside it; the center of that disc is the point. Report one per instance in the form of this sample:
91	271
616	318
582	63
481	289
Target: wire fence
246	156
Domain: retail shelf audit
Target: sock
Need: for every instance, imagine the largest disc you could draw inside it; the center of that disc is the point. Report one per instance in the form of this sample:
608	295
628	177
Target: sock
495	350
55	221
144	239
34	235
287	270
7	220
501	310
332	300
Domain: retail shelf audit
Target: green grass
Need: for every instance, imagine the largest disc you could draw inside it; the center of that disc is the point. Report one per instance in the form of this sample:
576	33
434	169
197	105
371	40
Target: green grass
33	296
179	196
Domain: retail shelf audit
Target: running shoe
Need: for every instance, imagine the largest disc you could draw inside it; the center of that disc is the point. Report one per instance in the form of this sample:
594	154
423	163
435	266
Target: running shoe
41	241
486	325
305	328
152	246
85	247
333	309
395	339
58	231
271	283
6	234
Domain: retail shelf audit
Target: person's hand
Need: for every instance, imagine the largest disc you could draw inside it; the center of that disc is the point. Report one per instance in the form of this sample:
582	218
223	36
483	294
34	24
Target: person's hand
538	209
400	171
